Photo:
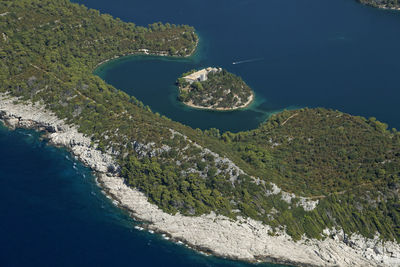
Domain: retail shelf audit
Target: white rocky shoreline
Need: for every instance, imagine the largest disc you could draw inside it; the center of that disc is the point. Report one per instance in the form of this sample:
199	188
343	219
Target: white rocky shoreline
244	239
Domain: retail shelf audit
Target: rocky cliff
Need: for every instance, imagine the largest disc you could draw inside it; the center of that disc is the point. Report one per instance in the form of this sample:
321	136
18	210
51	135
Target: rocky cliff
243	239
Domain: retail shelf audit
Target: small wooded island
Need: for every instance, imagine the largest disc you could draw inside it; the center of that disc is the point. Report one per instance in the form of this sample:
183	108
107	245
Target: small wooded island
308	187
215	89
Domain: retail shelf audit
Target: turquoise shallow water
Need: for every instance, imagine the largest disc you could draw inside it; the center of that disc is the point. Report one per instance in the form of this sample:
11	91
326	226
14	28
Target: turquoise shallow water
160	93
335	54
319	53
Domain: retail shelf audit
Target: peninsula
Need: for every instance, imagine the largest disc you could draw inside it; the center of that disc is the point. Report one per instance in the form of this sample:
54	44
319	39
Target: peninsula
214	89
309	187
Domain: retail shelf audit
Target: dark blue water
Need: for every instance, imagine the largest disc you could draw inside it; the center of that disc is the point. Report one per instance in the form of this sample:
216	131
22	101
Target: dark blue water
54	214
335	54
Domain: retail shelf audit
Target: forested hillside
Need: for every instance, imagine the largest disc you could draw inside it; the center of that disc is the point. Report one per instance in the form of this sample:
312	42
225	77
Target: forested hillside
350	164
346	168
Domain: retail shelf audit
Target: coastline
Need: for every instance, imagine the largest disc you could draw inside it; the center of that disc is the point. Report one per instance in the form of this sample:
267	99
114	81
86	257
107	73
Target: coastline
245	105
243	239
379	6
147	52
388	8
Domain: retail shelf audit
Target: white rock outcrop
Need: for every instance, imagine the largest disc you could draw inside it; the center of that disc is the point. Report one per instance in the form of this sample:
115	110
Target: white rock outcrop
243	239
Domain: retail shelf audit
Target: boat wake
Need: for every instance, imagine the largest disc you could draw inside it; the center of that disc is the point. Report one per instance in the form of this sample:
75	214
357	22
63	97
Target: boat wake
247	61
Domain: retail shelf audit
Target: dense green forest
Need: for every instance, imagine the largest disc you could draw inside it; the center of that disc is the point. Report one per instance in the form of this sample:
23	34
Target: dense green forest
349	164
381	3
221	90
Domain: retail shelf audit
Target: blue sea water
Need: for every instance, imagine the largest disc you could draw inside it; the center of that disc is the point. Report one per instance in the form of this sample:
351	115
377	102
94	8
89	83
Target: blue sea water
54	214
315	53
335	54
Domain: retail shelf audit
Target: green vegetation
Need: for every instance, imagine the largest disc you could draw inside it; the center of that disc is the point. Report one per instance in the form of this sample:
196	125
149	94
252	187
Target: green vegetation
221	90
350	164
48	50
381	3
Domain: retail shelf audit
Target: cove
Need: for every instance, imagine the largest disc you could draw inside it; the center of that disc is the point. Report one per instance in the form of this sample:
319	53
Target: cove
154	84
54	214
333	54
